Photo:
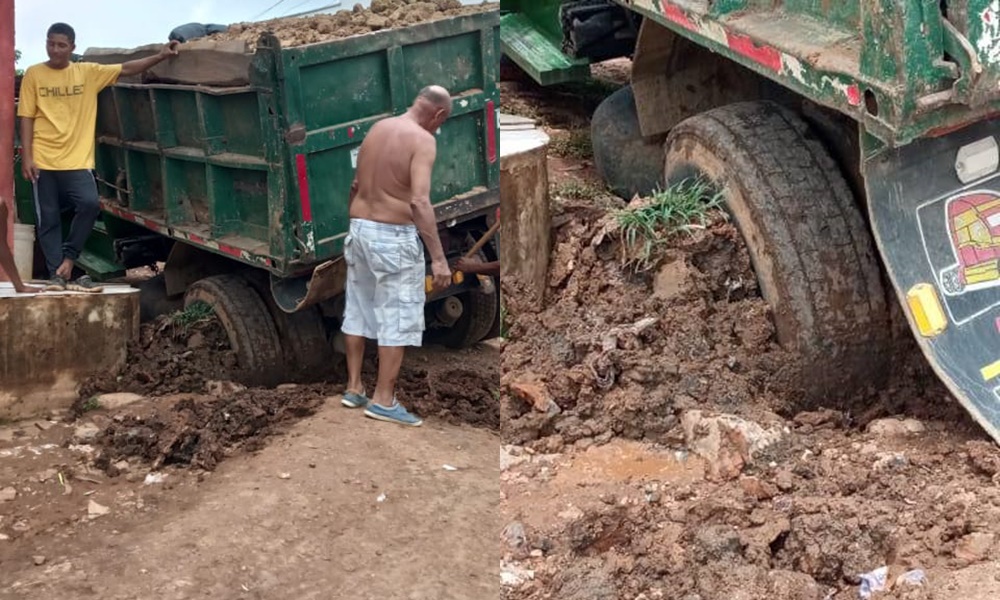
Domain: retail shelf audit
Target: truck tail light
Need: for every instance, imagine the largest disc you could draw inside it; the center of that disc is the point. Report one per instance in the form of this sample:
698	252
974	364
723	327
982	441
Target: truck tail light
303	175
491	132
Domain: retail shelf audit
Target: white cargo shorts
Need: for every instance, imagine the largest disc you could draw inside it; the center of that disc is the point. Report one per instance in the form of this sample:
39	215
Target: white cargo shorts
385	283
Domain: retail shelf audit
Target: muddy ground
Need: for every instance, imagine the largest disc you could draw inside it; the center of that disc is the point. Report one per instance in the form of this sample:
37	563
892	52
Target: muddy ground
382	14
172	481
654	449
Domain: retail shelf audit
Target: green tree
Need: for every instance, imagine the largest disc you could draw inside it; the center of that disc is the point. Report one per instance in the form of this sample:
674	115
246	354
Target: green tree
17	57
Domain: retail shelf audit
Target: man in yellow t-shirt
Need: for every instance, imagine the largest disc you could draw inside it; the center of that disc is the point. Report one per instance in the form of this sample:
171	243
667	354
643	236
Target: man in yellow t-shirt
58	111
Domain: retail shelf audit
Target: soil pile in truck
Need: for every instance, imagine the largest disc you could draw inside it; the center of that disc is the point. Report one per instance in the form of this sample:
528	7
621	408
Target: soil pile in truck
383	14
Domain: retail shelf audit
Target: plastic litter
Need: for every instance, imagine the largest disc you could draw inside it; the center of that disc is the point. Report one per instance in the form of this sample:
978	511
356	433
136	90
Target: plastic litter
876	580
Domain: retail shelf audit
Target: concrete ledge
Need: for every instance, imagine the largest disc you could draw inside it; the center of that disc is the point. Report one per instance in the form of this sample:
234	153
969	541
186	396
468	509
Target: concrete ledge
50	343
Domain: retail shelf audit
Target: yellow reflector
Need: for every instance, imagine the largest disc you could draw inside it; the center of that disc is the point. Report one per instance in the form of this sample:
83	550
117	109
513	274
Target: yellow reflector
990	371
925	306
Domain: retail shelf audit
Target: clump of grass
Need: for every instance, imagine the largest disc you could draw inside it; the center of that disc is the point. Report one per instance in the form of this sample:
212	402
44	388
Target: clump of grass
92	403
682	207
573	189
197	312
573	144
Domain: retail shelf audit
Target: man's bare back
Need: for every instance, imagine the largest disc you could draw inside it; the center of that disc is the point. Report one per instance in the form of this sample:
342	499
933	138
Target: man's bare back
385	190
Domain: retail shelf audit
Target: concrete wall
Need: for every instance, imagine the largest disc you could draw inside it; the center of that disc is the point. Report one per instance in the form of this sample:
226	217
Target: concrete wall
50	343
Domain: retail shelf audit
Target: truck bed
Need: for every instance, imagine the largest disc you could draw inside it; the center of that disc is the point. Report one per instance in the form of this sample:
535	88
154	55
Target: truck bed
261	173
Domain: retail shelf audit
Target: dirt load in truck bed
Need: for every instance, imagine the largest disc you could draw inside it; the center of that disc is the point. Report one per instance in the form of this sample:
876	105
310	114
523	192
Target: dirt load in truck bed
383	14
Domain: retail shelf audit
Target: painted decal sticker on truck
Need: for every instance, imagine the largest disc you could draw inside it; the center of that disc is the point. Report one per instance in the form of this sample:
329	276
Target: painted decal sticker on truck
961	237
974	226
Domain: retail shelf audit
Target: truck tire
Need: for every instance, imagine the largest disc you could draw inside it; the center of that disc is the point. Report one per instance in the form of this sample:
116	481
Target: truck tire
497	326
478	314
153	299
627	162
248	324
809	244
308	352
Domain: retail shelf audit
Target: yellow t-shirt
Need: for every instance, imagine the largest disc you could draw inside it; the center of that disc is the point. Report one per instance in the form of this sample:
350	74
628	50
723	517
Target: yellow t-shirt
63	103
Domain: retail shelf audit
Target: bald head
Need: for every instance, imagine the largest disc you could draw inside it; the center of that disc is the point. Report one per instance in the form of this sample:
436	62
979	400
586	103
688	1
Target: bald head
432	107
436	96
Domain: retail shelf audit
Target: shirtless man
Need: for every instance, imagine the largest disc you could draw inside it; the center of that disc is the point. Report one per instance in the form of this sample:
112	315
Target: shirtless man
390	210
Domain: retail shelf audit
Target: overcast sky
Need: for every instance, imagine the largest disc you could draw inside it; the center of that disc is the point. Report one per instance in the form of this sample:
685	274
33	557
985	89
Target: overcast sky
131	23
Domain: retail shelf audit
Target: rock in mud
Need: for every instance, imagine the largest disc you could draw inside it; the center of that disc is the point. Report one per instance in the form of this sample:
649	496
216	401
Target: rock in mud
220	389
7	494
514	576
86	433
789	585
726	442
586	580
975	547
759	490
895	427
95	510
515	540
117	401
984	457
716	542
533	391
672	280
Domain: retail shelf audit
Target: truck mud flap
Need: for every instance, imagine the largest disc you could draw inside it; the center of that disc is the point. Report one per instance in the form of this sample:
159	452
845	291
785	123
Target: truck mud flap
935	211
328	280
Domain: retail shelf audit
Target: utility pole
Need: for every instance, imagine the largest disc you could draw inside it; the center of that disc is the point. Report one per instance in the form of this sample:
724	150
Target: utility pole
7	122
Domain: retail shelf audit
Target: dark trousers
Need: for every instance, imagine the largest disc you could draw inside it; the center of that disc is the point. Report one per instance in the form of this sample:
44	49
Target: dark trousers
56	191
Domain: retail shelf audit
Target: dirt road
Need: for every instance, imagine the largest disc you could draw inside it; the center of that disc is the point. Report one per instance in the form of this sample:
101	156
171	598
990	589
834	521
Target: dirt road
325	504
653	448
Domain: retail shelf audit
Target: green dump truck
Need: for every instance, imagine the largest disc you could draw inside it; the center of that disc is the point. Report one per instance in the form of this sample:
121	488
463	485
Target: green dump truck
242	191
855	142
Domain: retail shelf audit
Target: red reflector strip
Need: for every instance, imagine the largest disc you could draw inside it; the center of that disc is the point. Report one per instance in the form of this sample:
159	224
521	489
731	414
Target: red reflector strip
303	173
491	132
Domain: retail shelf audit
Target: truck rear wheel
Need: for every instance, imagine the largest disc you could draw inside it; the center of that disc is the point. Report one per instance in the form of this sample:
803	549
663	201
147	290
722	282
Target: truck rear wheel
248	324
478	314
808	242
307	349
626	161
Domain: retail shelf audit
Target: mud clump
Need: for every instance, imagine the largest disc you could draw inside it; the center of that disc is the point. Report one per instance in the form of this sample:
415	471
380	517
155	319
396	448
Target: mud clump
170	357
455	395
621	353
383	14
199	431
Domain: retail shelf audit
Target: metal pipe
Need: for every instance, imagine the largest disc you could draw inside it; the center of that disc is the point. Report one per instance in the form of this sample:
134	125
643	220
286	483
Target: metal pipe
7	121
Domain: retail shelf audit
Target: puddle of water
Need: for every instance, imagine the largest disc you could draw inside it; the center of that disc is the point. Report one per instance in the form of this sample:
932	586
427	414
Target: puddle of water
623	461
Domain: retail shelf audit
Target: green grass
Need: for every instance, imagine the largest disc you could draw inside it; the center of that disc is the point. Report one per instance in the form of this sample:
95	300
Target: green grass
198	311
92	403
578	190
681	207
572	144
